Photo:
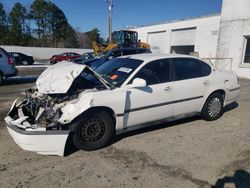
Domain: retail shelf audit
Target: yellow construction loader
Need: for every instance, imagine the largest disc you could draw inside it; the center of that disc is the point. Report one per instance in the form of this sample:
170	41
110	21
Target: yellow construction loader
120	39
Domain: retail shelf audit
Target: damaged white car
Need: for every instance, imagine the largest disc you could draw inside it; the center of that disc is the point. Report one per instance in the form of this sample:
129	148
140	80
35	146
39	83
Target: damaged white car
124	94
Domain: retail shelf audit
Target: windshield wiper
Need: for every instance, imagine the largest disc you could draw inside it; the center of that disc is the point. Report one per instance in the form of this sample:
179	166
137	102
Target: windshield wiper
105	82
105	77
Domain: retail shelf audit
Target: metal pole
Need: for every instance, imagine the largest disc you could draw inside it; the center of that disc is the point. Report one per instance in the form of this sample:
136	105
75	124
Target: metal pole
110	20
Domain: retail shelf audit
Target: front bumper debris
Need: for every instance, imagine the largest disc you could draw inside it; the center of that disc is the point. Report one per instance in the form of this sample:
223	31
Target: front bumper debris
39	140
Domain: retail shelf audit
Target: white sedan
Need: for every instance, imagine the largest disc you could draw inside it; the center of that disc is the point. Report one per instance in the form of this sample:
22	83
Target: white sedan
125	93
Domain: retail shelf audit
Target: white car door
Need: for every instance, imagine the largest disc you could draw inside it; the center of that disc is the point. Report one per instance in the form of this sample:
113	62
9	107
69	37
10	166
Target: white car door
153	102
192	82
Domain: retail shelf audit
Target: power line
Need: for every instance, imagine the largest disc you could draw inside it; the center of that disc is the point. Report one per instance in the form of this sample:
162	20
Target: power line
111	15
120	22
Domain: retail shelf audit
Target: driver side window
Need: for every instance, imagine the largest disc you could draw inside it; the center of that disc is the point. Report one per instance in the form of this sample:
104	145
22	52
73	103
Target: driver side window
155	72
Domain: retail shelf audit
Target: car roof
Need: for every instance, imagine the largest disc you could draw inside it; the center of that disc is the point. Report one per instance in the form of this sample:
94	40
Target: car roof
151	56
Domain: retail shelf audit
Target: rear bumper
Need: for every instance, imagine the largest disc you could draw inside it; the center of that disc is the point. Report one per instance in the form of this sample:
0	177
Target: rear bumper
232	95
39	140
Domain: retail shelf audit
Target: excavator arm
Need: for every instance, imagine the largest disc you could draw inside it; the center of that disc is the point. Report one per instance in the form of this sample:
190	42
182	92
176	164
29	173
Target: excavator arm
100	48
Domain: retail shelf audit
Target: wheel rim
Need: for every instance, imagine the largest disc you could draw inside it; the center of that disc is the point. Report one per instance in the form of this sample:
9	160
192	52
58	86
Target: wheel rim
93	130
214	107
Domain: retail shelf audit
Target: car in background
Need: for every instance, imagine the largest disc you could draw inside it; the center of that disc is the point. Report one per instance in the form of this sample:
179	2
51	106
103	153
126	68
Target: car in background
125	94
22	59
88	55
7	66
64	56
85	56
96	62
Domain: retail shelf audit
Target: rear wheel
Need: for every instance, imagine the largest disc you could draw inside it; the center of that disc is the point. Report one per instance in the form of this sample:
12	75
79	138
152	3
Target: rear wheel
93	131
213	108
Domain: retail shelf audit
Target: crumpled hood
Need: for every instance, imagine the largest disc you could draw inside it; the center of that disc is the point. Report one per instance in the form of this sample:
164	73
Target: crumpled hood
59	77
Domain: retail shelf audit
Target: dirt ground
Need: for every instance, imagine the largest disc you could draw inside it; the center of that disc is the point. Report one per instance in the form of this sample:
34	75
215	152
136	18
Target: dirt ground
190	153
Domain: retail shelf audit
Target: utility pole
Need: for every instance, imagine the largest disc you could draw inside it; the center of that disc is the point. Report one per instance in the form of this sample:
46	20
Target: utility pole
110	4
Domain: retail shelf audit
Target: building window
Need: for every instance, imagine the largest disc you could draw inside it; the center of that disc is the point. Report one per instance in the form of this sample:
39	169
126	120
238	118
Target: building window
247	51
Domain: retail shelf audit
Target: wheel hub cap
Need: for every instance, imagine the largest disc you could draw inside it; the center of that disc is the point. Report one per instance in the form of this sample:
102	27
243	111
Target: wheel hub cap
214	107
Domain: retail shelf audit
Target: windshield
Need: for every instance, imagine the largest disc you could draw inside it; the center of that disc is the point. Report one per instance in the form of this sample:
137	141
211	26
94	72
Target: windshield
116	71
86	80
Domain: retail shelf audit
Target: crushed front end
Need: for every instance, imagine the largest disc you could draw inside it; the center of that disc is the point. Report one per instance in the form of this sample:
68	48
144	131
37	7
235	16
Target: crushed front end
41	121
33	122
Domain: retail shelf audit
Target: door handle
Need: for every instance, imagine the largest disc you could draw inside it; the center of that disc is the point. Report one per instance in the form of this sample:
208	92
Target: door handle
168	89
206	83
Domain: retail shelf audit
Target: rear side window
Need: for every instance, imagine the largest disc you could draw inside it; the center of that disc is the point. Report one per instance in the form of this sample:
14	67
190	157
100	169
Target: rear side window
4	53
1	53
188	68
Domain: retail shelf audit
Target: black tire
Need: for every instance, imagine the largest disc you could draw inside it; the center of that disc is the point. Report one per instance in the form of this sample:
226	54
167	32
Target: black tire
1	78
213	108
53	62
93	131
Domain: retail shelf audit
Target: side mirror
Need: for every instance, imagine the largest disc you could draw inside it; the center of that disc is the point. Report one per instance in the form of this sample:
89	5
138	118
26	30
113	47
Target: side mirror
138	82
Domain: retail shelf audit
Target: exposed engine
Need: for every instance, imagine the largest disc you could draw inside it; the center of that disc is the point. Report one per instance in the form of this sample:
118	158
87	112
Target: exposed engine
41	108
44	109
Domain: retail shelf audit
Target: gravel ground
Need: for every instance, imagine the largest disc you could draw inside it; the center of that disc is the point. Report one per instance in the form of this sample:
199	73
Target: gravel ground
190	153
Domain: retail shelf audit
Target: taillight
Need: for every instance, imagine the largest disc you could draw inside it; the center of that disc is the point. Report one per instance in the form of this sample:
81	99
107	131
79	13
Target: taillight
10	61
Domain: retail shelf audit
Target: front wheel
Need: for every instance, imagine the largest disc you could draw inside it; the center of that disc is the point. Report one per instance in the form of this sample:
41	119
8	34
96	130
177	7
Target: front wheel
93	131
213	108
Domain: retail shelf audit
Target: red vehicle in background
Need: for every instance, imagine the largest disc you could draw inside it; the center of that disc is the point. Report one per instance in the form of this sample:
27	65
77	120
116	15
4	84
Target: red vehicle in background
64	56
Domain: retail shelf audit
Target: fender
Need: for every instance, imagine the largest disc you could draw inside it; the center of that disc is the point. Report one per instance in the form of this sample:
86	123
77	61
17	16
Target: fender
89	100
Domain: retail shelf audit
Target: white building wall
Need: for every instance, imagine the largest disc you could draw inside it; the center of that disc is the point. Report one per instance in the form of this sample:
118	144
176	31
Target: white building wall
206	36
43	53
144	32
159	41
207	39
234	26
